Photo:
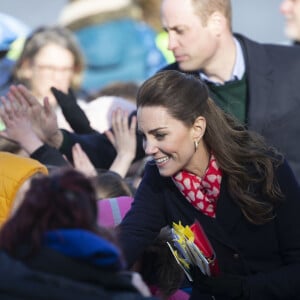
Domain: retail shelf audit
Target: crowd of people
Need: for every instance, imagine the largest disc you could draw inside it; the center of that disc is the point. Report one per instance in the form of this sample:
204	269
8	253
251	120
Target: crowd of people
107	142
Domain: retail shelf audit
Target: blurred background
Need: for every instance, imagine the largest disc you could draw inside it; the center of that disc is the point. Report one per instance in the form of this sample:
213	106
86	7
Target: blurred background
258	19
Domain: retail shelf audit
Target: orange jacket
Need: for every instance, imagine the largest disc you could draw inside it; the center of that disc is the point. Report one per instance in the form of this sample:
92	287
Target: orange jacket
14	171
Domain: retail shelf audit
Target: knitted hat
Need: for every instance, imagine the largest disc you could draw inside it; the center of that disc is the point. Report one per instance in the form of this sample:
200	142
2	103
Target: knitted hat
14	171
111	211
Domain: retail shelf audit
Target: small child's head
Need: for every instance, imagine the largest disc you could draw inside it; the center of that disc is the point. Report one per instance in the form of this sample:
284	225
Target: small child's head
109	184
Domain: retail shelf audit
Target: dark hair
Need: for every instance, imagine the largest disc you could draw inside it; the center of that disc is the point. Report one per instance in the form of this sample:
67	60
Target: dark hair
110	184
242	155
9	145
65	199
159	268
126	90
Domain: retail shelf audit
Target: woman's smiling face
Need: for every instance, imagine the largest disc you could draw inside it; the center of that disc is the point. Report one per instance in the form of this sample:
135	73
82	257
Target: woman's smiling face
169	141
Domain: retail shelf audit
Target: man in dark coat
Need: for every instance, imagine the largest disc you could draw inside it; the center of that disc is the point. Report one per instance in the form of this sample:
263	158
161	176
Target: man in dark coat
257	83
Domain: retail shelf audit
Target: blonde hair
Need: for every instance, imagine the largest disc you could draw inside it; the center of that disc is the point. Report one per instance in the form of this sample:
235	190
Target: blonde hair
50	35
205	8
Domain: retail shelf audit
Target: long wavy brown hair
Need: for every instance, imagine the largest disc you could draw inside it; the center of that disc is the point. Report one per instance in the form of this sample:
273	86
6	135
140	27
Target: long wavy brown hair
247	162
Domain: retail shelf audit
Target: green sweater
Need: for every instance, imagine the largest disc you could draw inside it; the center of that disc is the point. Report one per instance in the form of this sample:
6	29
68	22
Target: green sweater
231	97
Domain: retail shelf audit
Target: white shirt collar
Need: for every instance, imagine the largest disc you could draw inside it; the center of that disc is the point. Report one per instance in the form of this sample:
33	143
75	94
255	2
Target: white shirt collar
238	69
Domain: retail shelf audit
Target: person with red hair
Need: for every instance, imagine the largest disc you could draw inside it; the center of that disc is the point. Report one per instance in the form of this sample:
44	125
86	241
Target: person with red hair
56	250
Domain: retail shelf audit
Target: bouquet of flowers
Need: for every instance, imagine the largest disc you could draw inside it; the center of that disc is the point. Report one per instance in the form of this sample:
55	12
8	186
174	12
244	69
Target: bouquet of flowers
191	247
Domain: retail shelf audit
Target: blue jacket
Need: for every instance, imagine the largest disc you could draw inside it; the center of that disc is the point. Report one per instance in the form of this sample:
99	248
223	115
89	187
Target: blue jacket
118	50
73	264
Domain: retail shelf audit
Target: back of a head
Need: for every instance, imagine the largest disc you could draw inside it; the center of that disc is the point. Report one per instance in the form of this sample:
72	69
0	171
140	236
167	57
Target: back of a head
127	90
110	184
8	145
63	200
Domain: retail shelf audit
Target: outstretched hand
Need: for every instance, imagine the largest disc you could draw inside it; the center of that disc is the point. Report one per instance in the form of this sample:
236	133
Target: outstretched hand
18	125
81	161
123	138
42	116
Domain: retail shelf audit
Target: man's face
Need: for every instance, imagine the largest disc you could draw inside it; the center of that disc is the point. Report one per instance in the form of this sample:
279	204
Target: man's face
192	43
291	11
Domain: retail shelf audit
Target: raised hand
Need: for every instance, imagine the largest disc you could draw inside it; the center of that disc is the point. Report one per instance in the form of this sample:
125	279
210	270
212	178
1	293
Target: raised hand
18	125
123	137
81	161
42	117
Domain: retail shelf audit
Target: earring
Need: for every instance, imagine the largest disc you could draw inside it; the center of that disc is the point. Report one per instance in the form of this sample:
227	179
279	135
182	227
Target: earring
196	144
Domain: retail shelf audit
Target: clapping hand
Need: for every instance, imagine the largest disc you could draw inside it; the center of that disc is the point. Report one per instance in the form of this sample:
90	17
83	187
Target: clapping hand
15	116
41	116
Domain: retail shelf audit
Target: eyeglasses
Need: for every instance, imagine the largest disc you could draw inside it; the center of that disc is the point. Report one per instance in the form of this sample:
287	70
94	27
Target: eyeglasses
47	70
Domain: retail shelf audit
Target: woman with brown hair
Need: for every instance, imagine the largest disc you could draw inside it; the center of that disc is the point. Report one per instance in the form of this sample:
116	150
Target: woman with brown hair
207	167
